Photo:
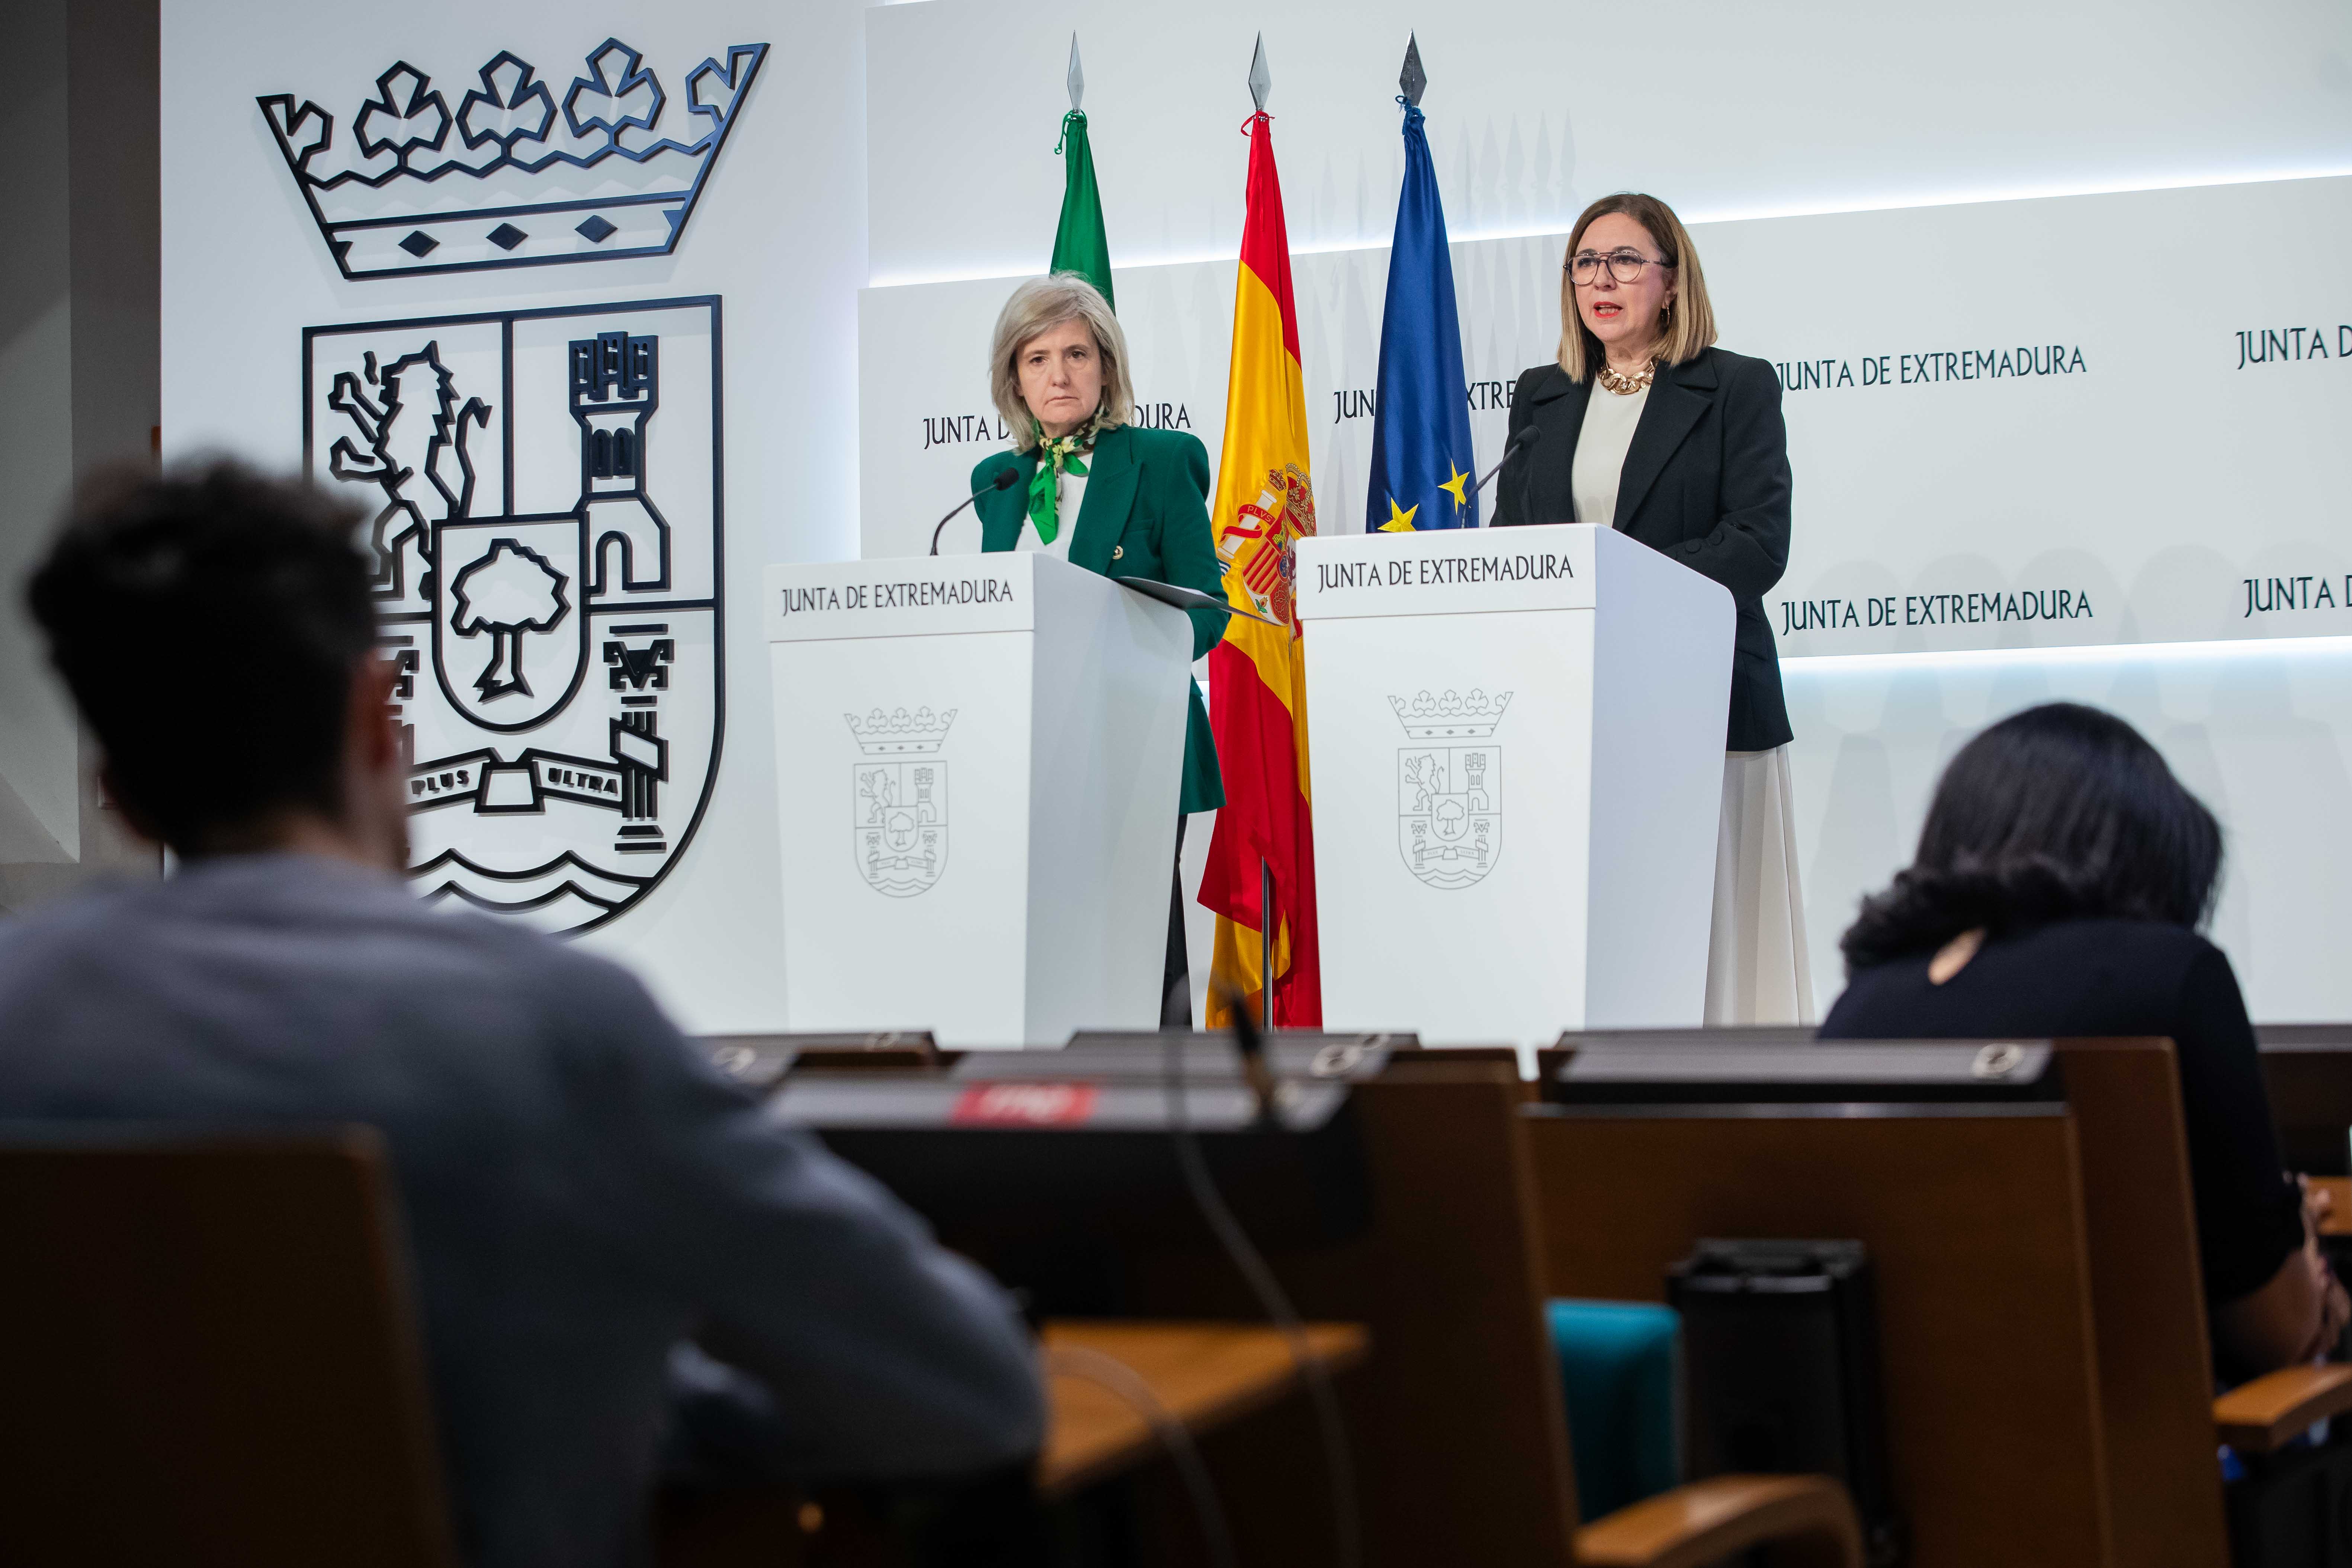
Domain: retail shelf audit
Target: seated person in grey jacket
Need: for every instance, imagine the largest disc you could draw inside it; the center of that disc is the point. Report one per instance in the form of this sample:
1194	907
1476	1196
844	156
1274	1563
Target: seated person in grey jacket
582	1191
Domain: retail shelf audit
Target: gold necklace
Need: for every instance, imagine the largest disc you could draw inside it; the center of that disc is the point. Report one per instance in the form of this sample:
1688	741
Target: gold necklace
1627	385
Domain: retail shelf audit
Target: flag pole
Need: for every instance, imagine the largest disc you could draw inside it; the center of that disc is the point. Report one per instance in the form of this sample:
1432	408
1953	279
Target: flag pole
1261	82
1265	938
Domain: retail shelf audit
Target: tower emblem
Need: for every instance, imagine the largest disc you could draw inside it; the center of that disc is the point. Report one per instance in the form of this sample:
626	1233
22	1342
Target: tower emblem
1450	786
556	629
899	800
523	173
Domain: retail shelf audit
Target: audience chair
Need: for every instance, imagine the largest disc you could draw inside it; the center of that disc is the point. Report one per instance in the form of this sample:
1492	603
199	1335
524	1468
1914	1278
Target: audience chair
2155	1364
1973	1213
2160	1421
2307	1069
208	1356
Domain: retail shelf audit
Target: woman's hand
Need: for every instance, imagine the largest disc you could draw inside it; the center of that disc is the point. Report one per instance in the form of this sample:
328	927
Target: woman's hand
2293	1320
2318	1202
2336	1311
2334	1305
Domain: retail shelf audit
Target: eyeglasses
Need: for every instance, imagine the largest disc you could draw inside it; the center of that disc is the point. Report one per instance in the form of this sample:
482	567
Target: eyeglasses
1625	266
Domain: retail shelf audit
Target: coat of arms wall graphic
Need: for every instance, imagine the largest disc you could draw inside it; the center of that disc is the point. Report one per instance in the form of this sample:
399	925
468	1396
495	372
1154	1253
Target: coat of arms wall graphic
542	500
597	161
898	799
1450	786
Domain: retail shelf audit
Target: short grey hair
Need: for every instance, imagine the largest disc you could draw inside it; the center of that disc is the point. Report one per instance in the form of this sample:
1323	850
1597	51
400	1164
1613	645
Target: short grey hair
1039	306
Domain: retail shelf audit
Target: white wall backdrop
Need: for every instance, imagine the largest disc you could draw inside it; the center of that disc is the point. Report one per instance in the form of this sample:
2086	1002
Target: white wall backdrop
779	234
911	143
1728	108
2262	731
1792	109
39	811
1976	467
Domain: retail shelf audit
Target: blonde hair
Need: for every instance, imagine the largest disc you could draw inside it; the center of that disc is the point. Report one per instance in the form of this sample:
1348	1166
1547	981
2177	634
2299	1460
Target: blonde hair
1689	322
1039	306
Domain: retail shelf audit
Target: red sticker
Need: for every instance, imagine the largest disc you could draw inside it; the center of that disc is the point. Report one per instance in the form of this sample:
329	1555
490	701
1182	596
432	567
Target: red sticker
1025	1104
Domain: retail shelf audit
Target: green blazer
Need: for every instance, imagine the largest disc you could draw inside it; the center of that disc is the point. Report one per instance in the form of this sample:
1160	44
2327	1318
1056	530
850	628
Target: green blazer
1146	514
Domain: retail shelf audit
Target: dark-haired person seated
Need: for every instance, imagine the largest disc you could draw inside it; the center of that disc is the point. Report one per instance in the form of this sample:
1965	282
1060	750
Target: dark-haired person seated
581	1190
2060	883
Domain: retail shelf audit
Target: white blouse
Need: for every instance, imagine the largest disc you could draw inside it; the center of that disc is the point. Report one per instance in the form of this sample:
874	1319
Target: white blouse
1065	519
1609	422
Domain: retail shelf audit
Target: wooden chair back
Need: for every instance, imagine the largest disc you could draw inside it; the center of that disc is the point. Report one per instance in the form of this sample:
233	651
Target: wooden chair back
2147	1295
1974	1217
2146	1289
2307	1067
207	1356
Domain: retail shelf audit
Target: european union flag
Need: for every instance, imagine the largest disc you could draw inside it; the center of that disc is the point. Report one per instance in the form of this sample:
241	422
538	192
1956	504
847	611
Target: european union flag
1421	461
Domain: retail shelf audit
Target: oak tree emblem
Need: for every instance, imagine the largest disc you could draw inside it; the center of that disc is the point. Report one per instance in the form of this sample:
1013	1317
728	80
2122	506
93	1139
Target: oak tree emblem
509	591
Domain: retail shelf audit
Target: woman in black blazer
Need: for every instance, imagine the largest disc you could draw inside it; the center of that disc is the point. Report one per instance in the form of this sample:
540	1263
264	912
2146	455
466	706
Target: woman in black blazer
1648	428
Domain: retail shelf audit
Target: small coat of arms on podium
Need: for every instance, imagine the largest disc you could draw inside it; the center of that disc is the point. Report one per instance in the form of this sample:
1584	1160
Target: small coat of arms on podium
899	801
1450	786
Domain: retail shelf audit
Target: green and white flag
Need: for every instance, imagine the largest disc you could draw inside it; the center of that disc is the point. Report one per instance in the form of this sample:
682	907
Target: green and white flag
1079	242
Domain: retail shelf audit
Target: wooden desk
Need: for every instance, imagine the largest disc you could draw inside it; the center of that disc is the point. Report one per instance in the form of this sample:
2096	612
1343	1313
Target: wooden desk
1203	1373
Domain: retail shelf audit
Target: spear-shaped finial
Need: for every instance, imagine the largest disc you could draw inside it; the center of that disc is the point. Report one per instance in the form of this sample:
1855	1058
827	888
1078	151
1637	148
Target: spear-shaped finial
1077	74
1412	79
1261	80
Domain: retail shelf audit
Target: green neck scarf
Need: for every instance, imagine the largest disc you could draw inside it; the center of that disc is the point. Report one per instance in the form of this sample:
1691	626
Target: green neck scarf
1057	455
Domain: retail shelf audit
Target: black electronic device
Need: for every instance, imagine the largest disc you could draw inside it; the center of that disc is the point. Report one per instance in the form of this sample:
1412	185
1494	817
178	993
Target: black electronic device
1184	598
1856	1076
1780	1370
761	1061
1047	1166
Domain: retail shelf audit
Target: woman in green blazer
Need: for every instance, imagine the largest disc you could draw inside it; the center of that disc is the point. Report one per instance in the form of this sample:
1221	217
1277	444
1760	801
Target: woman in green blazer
1101	494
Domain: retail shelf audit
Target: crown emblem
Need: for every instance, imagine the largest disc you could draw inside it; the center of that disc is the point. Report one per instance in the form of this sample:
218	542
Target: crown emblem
901	733
1451	716
522	173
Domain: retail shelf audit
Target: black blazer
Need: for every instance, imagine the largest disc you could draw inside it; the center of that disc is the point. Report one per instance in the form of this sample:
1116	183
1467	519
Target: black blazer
1705	481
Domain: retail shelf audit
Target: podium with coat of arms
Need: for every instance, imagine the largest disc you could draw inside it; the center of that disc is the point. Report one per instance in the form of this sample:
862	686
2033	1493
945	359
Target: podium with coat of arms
978	760
1517	775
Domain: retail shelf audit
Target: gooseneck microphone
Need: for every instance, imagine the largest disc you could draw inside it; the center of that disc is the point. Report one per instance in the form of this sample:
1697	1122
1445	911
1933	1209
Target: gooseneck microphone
1003	481
1519	443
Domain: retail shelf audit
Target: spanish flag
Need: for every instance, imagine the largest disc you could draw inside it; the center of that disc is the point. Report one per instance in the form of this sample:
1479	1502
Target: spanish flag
1257	676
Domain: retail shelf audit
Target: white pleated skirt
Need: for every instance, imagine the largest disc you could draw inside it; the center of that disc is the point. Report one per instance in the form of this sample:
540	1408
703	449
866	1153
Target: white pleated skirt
1757	971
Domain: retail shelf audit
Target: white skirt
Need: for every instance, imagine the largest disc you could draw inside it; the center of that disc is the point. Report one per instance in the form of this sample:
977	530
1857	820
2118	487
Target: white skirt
1757	971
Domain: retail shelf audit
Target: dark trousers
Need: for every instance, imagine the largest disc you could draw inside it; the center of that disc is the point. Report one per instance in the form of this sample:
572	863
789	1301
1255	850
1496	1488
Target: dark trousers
1176	983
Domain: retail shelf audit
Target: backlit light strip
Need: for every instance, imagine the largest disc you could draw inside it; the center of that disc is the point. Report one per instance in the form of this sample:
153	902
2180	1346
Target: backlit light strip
2090	653
1737	215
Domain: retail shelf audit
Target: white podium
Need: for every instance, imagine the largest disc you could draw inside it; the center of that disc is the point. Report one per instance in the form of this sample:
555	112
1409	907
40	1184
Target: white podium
1518	775
977	768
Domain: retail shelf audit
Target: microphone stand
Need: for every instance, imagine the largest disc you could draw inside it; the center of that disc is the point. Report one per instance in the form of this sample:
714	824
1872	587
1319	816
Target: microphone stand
1004	483
1525	439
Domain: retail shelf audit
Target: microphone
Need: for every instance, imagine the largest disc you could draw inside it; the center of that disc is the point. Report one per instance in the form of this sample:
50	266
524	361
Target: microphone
1519	443
1004	481
1251	1047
